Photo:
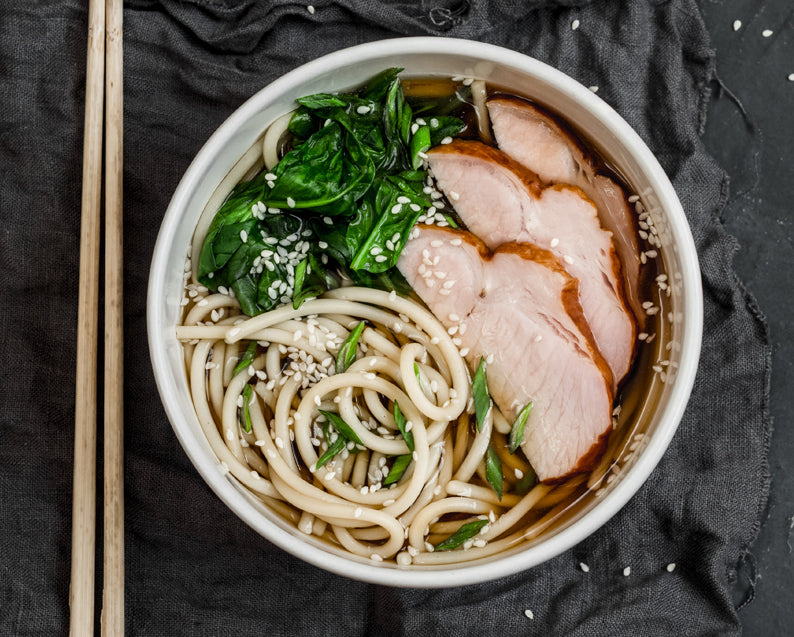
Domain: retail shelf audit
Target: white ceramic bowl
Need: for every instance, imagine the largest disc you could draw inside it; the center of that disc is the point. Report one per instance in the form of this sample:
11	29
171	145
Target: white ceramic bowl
424	57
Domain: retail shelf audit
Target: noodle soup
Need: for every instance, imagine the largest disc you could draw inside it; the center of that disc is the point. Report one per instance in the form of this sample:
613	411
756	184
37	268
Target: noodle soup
342	403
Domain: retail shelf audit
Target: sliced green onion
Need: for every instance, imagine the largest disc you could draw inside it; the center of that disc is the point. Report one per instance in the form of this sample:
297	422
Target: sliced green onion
401	424
479	390
452	223
417	374
347	352
493	471
246	414
398	468
526	482
247	358
345	430
465	532
332	450
517	430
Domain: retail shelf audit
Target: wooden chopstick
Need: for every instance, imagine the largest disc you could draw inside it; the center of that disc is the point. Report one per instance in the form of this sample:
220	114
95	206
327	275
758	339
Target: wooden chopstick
81	594
113	565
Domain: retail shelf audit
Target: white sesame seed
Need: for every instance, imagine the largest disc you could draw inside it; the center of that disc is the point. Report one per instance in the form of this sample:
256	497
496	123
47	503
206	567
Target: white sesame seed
627	571
791	77
529	614
767	32
554	242
574	25
290	202
737	24
584	567
568	259
448	140
671	567
454	195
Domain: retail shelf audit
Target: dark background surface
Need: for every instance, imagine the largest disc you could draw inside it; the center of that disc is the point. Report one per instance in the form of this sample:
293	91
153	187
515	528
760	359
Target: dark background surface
755	148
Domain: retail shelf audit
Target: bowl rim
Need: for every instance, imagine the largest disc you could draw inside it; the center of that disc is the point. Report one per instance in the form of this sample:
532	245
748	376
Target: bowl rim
455	575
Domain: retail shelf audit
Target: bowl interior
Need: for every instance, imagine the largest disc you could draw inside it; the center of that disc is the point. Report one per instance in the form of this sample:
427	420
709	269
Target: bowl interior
445	58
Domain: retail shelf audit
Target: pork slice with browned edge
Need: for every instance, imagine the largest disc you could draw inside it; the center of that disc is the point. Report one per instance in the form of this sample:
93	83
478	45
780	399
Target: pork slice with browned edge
534	139
500	201
518	308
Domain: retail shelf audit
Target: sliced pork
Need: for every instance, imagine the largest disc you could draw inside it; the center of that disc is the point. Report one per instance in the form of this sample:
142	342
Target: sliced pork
502	202
519	308
537	141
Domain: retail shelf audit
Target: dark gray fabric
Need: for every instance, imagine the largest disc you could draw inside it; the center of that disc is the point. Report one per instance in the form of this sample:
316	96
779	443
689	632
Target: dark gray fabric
192	567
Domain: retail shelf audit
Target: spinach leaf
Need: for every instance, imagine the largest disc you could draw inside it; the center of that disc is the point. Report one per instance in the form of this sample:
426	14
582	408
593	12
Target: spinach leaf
351	188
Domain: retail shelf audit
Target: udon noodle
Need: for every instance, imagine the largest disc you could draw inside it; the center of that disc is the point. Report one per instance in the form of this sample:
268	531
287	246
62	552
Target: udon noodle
266	422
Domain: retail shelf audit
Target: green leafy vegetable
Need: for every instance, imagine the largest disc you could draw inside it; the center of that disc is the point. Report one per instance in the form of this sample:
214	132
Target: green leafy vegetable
401	425
465	532
345	430
246	414
517	430
347	352
398	468
246	359
479	390
493	471
345	197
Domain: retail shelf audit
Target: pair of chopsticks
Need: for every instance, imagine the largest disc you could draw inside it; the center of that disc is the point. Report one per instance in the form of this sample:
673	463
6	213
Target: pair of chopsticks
103	93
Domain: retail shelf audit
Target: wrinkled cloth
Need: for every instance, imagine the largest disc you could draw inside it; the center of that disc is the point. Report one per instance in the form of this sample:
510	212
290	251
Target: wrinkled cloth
193	568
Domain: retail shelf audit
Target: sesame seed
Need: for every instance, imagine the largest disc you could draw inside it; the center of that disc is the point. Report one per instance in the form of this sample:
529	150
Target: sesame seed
584	567
454	195
529	614
363	109
568	259
443	291
448	140
767	32
290	202
737	24
554	242
791	77
671	567
593	88
574	25
627	571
